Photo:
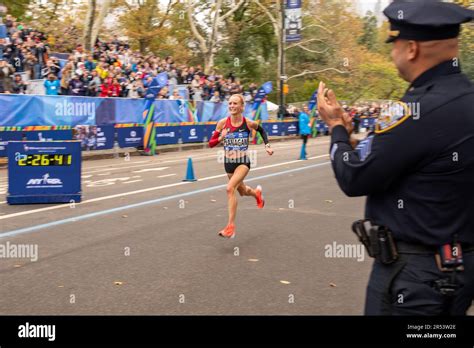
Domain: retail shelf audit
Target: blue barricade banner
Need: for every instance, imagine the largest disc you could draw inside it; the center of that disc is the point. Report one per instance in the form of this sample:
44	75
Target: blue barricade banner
44	172
167	135
27	110
193	133
321	126
209	111
130	136
48	135
95	137
171	111
32	110
289	128
272	128
105	137
129	110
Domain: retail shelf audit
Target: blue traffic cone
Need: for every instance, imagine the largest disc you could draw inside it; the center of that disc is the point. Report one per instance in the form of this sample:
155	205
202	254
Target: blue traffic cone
190	171
303	152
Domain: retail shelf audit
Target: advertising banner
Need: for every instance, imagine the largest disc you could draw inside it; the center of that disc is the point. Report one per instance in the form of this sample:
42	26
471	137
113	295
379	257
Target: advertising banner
293	20
193	134
130	136
167	135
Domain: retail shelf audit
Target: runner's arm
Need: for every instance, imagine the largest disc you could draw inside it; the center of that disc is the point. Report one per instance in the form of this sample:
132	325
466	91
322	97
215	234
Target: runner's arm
215	135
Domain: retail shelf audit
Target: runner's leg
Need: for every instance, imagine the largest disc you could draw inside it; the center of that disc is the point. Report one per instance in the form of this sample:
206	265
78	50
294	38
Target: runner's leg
235	180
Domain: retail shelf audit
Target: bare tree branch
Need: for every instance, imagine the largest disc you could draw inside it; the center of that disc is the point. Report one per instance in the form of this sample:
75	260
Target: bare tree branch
165	16
306	72
202	41
267	12
231	11
307	49
261	25
215	24
319	26
305	42
103	12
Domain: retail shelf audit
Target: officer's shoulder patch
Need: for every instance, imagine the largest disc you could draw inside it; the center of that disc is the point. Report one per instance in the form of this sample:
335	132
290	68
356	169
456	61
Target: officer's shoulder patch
391	115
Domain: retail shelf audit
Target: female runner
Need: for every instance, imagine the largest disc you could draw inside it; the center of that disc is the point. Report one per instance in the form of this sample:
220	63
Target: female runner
235	132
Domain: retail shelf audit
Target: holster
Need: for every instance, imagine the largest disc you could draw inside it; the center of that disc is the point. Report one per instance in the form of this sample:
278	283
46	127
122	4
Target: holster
378	241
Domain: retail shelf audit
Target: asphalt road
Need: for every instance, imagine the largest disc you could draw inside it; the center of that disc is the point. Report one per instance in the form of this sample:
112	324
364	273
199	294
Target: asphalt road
145	242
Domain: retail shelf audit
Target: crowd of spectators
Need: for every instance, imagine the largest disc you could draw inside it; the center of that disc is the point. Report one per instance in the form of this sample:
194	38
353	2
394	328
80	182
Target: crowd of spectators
23	51
112	69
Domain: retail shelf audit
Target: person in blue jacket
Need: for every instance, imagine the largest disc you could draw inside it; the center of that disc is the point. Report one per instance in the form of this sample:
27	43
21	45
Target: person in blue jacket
52	85
304	126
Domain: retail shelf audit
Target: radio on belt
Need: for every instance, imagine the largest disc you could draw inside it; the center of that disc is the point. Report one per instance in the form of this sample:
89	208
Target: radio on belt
44	172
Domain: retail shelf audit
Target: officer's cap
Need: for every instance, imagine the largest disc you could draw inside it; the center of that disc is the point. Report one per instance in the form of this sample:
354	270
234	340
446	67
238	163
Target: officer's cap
425	20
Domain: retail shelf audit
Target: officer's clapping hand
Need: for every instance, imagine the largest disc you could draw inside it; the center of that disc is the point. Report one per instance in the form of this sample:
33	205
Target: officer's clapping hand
329	109
347	119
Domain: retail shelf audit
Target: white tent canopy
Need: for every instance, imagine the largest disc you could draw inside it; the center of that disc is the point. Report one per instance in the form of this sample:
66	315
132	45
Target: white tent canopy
271	106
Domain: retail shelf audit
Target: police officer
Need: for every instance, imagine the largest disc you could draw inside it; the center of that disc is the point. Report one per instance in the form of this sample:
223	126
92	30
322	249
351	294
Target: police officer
416	169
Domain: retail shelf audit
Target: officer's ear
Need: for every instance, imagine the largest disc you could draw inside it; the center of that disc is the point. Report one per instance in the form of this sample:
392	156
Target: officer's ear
412	50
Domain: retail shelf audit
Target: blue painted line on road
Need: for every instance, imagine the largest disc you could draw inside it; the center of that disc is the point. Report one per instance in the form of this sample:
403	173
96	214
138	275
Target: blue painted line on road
141	204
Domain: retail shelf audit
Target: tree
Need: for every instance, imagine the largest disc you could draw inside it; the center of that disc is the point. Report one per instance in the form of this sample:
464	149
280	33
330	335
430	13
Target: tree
16	8
249	49
207	35
59	19
88	25
103	11
149	25
466	43
369	37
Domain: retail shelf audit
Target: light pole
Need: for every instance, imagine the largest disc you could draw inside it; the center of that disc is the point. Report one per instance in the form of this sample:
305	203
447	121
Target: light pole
281	111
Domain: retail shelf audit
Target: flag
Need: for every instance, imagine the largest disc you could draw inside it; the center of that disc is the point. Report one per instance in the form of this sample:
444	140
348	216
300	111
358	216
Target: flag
312	106
260	98
149	132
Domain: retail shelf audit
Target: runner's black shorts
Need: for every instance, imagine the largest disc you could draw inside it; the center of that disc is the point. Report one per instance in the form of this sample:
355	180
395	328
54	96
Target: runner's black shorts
230	164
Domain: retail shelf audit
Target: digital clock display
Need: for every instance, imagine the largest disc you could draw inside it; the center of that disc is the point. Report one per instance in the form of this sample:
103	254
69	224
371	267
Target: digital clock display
45	160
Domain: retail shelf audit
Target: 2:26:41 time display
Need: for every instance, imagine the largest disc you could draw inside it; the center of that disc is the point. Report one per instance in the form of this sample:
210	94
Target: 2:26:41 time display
46	160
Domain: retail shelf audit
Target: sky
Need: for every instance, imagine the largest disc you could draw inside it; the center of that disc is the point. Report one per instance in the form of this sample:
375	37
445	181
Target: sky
365	5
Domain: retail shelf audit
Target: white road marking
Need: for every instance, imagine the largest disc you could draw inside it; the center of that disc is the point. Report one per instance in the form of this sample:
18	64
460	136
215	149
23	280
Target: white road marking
106	182
129	182
149	170
165	176
155	163
9	216
111	165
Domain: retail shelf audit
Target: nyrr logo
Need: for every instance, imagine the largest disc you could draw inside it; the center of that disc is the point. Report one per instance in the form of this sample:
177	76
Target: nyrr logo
192	132
133	134
44	181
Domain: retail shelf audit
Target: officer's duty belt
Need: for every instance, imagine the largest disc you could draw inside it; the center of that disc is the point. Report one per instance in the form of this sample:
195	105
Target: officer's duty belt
409	248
